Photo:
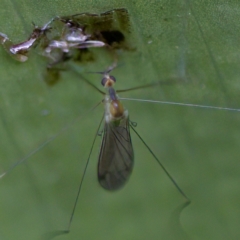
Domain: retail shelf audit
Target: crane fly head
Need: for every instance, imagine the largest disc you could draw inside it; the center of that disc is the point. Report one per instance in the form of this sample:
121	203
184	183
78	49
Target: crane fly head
108	81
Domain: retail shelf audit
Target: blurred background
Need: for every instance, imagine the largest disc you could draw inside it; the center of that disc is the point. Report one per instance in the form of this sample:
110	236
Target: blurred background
197	42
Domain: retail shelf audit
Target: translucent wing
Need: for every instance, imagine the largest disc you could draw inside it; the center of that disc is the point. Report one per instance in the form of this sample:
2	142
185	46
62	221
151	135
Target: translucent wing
116	156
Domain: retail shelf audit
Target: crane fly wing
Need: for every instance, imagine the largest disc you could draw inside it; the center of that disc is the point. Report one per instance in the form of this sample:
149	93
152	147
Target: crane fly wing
116	156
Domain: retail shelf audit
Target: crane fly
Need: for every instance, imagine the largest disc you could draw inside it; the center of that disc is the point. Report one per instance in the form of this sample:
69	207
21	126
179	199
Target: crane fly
116	157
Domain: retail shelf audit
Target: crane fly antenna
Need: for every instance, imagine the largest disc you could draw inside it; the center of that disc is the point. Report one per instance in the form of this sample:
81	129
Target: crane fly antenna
110	68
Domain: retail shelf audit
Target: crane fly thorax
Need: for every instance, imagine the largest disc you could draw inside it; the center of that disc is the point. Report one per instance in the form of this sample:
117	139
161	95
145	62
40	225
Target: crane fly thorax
114	110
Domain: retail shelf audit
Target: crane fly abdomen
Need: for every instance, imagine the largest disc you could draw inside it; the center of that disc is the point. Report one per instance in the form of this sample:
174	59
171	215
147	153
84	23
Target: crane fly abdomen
116	158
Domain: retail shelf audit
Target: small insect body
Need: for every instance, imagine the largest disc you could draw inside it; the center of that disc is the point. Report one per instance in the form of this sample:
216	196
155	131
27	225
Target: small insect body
116	158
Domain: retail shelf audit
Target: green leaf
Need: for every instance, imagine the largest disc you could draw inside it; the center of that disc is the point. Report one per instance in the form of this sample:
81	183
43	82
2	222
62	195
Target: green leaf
197	41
